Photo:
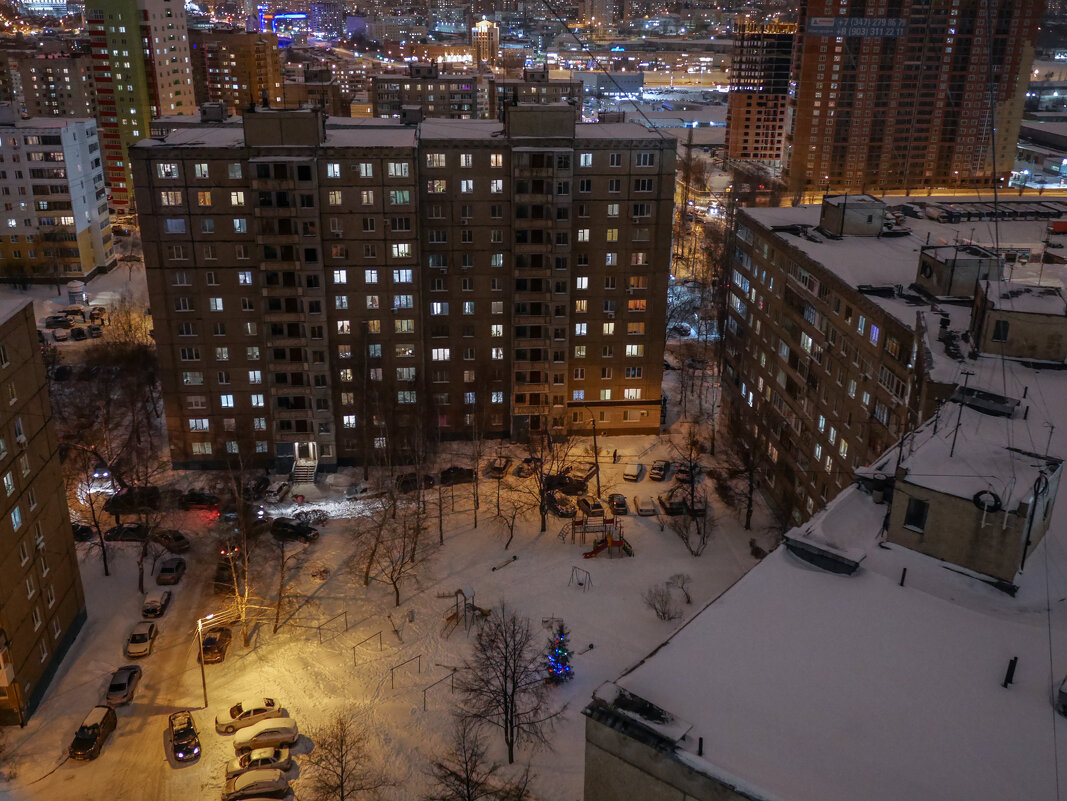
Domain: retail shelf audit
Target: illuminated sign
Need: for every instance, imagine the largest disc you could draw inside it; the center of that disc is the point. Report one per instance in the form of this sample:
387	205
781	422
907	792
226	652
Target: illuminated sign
872	27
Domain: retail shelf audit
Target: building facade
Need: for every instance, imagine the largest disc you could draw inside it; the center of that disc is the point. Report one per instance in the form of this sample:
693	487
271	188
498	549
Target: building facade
236	68
142	68
331	290
757	109
485	42
58	85
898	97
60	227
42	605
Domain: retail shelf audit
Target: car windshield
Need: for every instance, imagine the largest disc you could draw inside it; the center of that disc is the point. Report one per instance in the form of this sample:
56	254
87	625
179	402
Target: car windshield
139	637
88	731
235	710
117	686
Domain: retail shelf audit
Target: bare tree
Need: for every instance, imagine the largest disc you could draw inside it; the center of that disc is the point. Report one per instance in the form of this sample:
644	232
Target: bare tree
694	532
658	598
550	454
503	685
392	556
340	767
463	773
511	508
682	582
741	475
283	569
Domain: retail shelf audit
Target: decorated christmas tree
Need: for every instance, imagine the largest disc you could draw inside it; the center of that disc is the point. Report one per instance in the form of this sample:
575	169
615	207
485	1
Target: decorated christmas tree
558	657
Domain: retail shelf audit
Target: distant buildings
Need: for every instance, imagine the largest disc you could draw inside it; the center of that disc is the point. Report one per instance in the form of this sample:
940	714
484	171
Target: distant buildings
757	119
56	224
908	98
135	83
386	281
236	68
42	606
58	85
485	42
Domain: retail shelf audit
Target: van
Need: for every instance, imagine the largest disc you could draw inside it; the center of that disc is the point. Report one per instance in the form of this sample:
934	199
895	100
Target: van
270	733
632	472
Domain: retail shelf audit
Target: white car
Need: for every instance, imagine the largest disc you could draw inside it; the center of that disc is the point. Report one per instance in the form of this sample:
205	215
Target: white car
359	492
271	733
260	759
645	505
256	784
142	638
276	491
245	713
633	472
155	603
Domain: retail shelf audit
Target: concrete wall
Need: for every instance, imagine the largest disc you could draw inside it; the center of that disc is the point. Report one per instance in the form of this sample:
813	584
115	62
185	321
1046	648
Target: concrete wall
1030	336
621	768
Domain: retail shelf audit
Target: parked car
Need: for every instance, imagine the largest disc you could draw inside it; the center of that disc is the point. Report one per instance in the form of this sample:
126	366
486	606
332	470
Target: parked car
216	642
660	469
60	335
276	491
62	372
286	528
256	784
131	500
123	684
359	492
590	506
83	533
684	474
312	517
184	738
171	570
679	330
668	366
456	475
95	331
560	505
245	713
93	732
57	321
644	505
171	539
408	482
224	576
632	472
270	733
127	532
672	505
567	484
195	499
582	472
617	502
78	334
528	466
272	758
142	638
156	603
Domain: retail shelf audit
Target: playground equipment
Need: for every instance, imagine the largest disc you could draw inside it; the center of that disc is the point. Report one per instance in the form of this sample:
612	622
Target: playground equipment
615	545
580	578
464	611
598	527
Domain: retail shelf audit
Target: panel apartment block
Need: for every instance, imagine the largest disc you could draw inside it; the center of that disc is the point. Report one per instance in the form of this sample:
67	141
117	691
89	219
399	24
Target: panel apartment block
330	289
42	605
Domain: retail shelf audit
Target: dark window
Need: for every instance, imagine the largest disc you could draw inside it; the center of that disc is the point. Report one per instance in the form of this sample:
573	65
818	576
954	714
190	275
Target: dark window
915	516
1000	331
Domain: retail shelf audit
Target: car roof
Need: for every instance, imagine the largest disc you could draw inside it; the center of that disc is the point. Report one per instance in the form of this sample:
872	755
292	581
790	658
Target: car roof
156	595
96	716
249	732
144	625
172	561
259	753
252	703
258	775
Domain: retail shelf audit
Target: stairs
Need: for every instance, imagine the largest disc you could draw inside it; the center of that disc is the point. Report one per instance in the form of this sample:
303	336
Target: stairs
304	471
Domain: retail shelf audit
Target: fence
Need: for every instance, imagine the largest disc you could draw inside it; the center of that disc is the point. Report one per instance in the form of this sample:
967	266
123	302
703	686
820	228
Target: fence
343	613
451	676
394	668
377	634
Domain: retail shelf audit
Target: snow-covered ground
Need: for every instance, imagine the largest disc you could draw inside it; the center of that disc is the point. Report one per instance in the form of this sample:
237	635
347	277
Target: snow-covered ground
314	678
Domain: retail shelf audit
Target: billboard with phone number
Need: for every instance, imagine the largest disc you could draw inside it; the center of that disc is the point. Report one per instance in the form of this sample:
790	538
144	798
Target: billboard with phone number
878	27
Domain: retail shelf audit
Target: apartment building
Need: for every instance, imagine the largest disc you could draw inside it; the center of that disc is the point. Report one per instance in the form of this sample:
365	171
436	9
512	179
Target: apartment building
757	109
236	68
58	85
900	96
42	605
485	42
332	290
142	68
465	96
56	222
827	341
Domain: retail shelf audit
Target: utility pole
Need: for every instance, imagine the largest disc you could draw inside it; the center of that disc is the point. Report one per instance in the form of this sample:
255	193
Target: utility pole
966	375
596	451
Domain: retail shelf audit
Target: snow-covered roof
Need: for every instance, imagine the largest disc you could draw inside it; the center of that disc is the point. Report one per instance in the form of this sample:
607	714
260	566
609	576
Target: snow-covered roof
1017	297
9	306
807	685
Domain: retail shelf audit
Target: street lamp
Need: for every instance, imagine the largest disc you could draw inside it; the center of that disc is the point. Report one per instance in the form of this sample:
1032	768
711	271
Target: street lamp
596	451
200	636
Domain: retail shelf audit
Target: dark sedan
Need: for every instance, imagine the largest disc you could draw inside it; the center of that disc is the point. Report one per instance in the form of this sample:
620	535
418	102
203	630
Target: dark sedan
286	528
216	642
171	539
127	532
194	499
456	475
184	740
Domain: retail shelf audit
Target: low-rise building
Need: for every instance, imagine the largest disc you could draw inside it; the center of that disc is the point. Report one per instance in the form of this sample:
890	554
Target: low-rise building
42	605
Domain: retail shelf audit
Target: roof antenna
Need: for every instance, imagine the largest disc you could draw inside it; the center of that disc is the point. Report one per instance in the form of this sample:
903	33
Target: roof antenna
966	375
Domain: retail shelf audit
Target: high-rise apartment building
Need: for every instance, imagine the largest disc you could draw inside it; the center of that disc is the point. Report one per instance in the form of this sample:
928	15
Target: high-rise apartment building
909	94
58	85
485	42
56	225
757	111
236	68
142	69
324	288
42	605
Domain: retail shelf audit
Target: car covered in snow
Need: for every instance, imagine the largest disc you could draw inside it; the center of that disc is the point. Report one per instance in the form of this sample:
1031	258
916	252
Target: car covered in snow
142	638
528	466
155	603
256	784
270	733
276	491
359	492
245	713
645	505
93	732
498	468
171	570
123	684
660	469
560	505
259	759
632	472
591	506
184	738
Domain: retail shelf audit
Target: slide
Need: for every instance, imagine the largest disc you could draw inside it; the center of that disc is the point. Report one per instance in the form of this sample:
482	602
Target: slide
598	547
627	548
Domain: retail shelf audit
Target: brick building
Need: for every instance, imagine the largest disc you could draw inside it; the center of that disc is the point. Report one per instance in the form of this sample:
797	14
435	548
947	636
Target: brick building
42	605
323	287
236	68
757	110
